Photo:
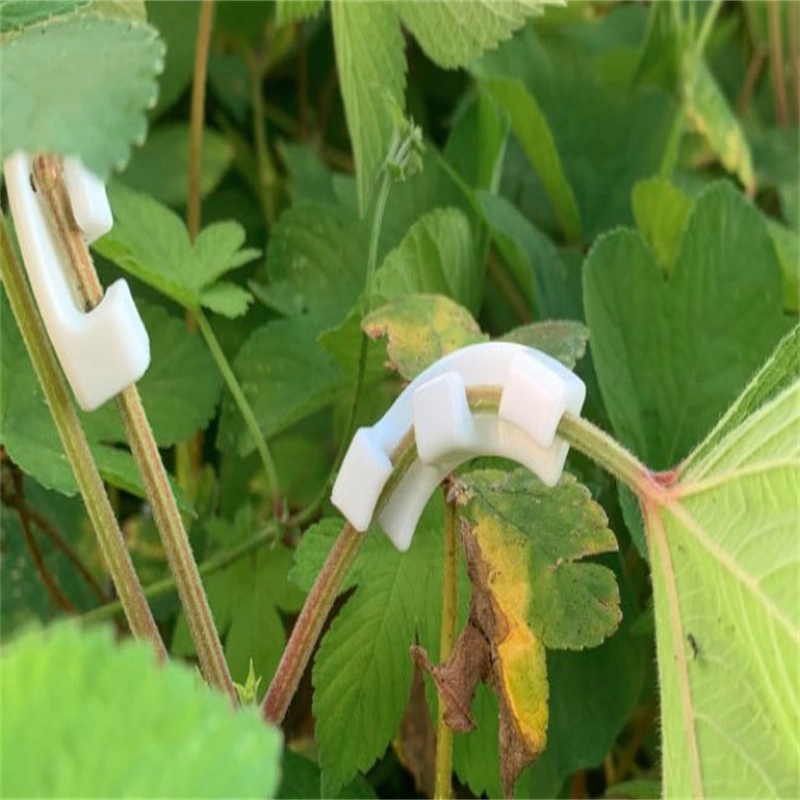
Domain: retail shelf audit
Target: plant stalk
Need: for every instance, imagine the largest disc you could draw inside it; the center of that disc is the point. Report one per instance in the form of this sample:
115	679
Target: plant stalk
309	624
50	183
245	409
444	736
776	63
112	543
197	117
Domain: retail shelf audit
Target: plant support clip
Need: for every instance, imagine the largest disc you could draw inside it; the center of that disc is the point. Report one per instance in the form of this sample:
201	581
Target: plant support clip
536	391
102	350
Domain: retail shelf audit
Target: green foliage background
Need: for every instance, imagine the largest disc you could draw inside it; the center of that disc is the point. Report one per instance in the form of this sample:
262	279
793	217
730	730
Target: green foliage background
590	173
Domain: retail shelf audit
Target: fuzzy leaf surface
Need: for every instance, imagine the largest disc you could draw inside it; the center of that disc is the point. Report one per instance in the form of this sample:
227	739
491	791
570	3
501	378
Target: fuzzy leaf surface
672	355
372	73
79	86
362	673
523	544
472	26
726	572
101	698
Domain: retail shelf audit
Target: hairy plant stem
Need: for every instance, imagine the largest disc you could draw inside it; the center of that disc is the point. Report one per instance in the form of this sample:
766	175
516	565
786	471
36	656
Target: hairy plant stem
267	535
444	736
309	624
776	63
197	117
580	433
112	544
245	409
50	184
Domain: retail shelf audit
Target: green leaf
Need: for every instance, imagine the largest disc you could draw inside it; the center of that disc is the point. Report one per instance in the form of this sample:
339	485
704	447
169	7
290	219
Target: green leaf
671	355
420	330
787	246
564	340
181	389
174	20
362	673
523	544
544	279
661	211
372	75
724	537
316	262
301	779
437	256
288	11
247	599
617	139
285	376
712	117
150	241
776	155
453	34
161	167
531	128
16	14
80	86
106	707
482	122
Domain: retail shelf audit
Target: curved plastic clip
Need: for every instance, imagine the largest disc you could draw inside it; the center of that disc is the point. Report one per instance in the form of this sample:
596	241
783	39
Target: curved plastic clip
536	391
103	350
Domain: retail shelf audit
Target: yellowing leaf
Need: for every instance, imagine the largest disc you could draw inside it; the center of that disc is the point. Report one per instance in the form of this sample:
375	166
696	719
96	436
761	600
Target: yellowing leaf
522	542
422	328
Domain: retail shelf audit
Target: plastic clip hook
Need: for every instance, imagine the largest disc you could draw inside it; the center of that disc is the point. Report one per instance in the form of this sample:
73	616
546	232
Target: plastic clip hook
103	350
536	391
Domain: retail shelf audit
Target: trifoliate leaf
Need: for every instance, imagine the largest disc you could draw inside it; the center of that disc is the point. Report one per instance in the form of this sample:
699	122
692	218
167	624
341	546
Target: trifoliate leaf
420	330
106	707
672	354
724	537
661	211
372	74
453	34
161	167
437	256
288	11
150	241
285	376
362	673
523	543
316	261
79	86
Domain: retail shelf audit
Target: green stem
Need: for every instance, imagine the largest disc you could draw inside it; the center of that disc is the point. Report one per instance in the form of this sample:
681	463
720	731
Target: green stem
265	536
377	224
197	116
580	433
309	624
90	484
444	736
701	41
242	404
267	175
50	184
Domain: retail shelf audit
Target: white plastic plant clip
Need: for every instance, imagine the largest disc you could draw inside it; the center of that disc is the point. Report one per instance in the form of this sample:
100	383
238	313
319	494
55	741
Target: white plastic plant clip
536	391
103	350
